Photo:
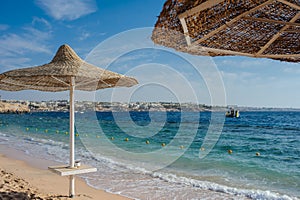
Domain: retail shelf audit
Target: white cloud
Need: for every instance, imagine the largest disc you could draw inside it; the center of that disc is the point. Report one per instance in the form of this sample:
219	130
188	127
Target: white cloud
67	9
30	39
3	27
102	34
239	76
15	48
36	34
13	62
18	44
84	35
292	70
241	62
41	22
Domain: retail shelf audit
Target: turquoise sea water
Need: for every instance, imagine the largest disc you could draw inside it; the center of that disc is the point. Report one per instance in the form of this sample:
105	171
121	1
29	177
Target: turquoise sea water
174	171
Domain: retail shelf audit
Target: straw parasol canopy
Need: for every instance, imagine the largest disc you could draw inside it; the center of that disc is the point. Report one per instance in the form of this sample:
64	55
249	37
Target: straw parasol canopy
55	76
255	28
66	71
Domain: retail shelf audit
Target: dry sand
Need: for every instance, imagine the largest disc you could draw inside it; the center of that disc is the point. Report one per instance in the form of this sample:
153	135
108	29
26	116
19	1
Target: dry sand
19	180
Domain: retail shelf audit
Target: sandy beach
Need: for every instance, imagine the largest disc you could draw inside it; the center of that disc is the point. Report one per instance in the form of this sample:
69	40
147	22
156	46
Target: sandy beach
19	180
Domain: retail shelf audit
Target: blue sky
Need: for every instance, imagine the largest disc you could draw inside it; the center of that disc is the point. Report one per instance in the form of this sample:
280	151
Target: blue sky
116	35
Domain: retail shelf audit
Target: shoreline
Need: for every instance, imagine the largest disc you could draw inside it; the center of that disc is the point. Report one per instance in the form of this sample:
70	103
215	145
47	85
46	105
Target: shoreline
22	106
22	176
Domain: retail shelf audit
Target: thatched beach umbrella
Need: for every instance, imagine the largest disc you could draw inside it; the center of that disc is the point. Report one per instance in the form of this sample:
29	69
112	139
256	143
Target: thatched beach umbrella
261	28
66	71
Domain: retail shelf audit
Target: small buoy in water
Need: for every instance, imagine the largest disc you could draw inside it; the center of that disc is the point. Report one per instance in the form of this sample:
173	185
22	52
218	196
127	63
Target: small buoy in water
229	151
27	129
112	138
77	134
202	149
66	132
163	144
36	129
147	142
257	154
46	131
126	139
181	147
57	131
98	136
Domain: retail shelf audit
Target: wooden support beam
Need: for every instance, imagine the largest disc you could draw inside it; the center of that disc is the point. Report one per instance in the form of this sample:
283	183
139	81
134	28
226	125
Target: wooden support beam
203	6
237	53
222	51
280	56
232	21
290	4
277	35
186	31
271	21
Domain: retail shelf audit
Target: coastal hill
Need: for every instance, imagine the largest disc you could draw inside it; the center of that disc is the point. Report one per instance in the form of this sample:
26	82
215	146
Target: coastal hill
8	107
13	106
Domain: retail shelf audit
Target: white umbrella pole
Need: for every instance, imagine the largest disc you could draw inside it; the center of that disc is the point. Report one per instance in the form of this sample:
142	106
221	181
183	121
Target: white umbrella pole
72	143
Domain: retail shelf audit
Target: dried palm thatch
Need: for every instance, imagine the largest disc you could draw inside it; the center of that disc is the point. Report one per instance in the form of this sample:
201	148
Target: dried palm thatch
256	28
55	76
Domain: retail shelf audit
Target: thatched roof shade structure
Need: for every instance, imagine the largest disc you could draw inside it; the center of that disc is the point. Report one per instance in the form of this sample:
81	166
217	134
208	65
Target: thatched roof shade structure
256	28
56	75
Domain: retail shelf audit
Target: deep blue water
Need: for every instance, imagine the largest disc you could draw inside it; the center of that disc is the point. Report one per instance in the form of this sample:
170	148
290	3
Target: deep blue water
264	163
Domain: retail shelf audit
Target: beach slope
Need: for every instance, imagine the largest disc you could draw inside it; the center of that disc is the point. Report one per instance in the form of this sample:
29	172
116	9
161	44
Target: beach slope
18	180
